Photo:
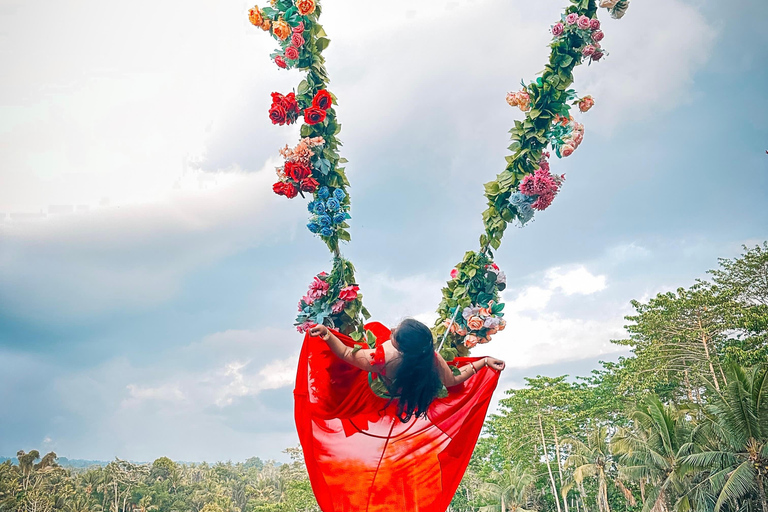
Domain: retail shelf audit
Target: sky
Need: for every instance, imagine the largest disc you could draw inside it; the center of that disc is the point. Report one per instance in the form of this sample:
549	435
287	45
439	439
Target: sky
149	276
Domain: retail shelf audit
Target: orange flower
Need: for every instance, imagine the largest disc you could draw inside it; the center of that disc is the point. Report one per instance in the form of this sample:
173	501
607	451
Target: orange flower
470	341
281	29
255	16
266	25
475	323
502	324
305	6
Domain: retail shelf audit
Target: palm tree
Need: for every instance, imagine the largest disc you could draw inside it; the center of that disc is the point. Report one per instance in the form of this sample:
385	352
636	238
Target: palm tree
510	489
733	456
592	460
648	452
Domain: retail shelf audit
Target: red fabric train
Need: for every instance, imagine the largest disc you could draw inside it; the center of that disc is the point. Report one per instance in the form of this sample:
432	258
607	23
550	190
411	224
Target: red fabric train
360	457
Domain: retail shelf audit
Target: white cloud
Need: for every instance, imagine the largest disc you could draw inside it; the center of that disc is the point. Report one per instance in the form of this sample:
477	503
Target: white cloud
577	280
655	51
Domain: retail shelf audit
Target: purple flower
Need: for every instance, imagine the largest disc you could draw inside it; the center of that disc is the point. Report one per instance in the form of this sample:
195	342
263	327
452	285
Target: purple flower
583	22
571	18
594	24
598	36
588	50
557	29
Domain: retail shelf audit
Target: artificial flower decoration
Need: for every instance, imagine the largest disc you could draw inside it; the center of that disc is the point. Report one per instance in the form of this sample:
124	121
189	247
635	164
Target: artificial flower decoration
284	109
281	29
585	103
305	7
255	17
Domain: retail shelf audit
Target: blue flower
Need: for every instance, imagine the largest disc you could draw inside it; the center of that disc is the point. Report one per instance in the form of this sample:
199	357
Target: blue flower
524	213
314	228
323	193
325	220
339	218
311	206
339	194
319	207
518	198
326	231
332	205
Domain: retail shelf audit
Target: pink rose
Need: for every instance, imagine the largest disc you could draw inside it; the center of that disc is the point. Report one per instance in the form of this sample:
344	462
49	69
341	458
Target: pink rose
280	61
297	40
597	55
308	300
577	138
454	274
291	53
512	99
557	29
588	50
475	323
571	18
598	35
567	150
349	293
583	22
338	307
305	326
470	340
298	29
594	24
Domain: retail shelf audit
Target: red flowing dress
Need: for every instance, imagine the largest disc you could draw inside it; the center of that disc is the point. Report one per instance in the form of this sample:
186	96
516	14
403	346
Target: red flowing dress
360	457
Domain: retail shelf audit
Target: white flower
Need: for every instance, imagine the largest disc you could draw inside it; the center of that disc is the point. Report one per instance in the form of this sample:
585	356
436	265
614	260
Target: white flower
501	278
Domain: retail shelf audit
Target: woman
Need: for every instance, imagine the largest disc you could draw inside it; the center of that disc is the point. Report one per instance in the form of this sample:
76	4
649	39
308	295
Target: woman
411	369
368	452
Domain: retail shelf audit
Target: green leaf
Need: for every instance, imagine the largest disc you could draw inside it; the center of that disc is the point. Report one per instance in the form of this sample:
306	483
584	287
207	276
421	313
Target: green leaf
321	43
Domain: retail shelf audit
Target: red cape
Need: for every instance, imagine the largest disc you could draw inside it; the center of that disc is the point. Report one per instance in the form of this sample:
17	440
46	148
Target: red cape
360	457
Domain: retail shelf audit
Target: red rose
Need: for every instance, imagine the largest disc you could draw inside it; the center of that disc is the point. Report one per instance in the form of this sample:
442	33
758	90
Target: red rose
277	114
297	171
309	185
297	39
349	293
299	28
277	188
280	61
314	115
289	103
322	100
291	53
290	190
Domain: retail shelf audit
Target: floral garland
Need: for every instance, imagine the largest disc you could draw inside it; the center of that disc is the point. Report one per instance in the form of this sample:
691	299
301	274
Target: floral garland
470	311
526	184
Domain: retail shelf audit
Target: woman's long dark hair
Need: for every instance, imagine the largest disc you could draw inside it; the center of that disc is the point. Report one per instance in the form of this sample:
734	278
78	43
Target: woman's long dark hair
417	381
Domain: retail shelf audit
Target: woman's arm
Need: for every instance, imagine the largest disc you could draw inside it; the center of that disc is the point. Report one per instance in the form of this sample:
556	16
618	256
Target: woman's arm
360	358
449	379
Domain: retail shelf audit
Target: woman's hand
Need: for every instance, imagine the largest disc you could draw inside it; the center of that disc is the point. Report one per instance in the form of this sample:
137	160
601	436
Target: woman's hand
320	331
496	364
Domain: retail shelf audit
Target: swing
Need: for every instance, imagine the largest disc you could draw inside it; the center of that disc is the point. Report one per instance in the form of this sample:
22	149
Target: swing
359	455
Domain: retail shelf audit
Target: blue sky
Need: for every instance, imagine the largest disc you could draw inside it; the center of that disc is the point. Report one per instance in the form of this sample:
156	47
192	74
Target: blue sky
157	318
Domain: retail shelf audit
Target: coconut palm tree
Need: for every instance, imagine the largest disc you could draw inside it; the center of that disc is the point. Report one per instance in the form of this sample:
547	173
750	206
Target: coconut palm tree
592	460
733	456
648	452
510	490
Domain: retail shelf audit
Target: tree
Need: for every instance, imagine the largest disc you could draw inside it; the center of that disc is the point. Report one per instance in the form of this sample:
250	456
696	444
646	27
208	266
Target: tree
733	453
649	450
592	459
